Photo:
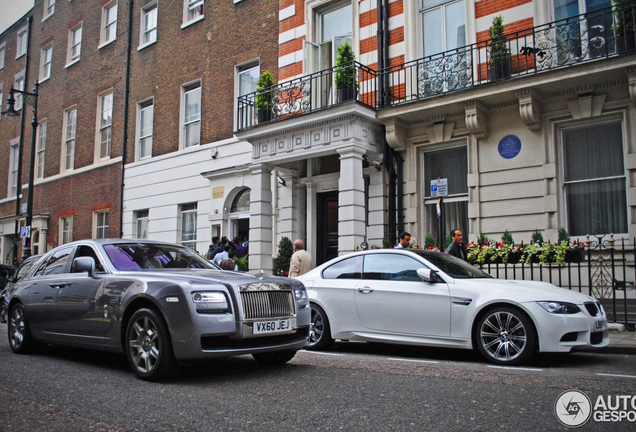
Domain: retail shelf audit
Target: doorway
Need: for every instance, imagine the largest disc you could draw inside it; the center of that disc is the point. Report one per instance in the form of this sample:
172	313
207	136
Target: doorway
327	229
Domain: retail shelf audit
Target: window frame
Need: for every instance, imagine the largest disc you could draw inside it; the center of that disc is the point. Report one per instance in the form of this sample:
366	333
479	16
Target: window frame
3	54
14	156
49	9
40	157
101	227
22	42
185	90
142	107
563	197
65	233
142	216
19	100
105	37
102	154
43	64
184	211
143	30
70	58
238	70
189	5
65	154
442	5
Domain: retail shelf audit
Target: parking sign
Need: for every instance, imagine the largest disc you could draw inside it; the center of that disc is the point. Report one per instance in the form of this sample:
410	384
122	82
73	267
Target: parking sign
439	188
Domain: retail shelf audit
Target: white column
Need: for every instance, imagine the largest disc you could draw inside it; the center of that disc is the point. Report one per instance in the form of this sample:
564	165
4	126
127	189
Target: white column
312	227
351	211
377	210
261	219
288	220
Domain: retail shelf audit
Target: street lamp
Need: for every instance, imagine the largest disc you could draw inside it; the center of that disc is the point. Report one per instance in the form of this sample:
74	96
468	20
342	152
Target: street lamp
10	112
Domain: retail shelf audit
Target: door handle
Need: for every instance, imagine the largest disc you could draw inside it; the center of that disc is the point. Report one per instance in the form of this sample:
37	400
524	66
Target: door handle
59	284
365	290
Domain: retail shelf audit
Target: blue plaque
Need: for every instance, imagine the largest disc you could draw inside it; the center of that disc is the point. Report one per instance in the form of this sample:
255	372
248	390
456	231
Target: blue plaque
509	146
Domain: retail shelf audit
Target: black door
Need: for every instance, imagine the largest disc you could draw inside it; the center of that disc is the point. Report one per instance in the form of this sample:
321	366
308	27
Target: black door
327	241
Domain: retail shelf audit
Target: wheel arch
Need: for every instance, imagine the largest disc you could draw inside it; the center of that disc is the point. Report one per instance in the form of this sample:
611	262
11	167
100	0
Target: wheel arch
131	308
489	307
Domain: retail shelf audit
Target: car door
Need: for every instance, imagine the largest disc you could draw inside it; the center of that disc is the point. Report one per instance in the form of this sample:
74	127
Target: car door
335	289
392	298
78	312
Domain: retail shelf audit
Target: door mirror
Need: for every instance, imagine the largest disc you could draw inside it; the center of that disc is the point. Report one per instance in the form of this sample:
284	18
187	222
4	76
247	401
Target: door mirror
429	275
84	264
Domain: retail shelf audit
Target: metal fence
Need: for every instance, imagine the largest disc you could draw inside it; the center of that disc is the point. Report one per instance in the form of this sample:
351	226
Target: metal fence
605	270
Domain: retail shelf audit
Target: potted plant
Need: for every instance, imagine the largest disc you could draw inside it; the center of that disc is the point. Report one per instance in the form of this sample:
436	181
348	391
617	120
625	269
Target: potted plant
346	77
264	97
499	59
624	25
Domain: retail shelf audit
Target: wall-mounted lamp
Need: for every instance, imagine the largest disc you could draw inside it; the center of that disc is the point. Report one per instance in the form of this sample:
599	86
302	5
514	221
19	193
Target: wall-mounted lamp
216	211
281	181
214	153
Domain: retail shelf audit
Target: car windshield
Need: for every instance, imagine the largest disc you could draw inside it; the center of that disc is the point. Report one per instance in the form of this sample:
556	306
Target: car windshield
137	256
452	266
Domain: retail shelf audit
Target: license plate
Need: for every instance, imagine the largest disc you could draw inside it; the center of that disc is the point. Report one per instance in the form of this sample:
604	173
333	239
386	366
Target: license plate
600	325
274	326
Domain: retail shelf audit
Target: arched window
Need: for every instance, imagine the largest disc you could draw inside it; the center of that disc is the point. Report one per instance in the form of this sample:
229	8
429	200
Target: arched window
241	202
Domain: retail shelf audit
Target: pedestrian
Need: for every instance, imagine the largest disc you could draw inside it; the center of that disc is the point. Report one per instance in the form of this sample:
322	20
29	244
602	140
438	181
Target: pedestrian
210	253
300	262
219	248
223	255
405	240
228	263
457	248
241	250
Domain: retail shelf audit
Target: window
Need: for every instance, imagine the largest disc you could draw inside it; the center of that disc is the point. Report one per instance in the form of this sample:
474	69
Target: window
66	229
49	8
350	268
18	85
3	50
13	168
148	25
443	25
575	38
104	124
189	225
451	164
141	225
1	99
144	129
109	23
21	48
594	182
68	147
100	224
74	44
191	119
391	267
58	263
192	11
45	62
41	148
247	78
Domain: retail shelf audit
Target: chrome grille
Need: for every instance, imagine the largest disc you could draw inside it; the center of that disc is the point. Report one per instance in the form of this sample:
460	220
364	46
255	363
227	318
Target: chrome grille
592	308
267	304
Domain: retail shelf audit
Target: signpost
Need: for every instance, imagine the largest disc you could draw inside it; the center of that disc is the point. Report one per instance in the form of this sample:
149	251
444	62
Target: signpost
439	189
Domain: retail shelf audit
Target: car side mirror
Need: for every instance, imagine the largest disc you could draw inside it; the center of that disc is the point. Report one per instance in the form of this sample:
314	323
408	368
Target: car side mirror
84	264
429	275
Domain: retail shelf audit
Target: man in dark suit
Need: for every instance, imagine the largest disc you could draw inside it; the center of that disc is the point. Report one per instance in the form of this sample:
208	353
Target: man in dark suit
457	247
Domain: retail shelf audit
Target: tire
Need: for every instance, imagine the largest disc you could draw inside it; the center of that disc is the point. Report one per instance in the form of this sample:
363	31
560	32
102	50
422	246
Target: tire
319	330
19	332
506	336
275	357
3	312
148	346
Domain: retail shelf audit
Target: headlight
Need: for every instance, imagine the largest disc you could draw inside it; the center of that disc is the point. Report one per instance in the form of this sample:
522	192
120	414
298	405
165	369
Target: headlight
559	307
301	297
208	297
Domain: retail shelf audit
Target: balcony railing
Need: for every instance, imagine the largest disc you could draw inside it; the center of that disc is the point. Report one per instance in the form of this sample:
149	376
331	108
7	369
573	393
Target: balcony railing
351	83
588	37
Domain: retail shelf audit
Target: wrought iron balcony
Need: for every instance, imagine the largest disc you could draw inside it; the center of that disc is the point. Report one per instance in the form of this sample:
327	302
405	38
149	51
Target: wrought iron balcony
561	44
589	37
350	83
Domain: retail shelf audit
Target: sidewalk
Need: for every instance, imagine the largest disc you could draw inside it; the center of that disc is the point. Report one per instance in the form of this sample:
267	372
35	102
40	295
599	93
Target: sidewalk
621	342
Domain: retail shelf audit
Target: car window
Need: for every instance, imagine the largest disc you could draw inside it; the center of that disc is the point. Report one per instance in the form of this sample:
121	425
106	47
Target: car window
137	256
455	267
350	268
392	267
58	263
87	251
26	266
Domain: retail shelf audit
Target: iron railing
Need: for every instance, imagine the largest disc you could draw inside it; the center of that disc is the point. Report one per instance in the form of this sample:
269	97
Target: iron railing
309	93
605	270
588	37
593	36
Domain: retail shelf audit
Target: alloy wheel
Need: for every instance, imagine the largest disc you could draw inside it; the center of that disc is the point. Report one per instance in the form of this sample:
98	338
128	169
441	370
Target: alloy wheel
503	336
144	344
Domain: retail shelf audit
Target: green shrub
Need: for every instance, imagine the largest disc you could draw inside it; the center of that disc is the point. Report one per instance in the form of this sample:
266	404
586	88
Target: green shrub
264	91
345	68
537	237
429	241
563	235
506	238
243	263
285	251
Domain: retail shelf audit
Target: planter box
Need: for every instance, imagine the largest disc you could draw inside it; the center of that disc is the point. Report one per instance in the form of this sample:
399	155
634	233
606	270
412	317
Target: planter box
625	43
264	116
498	72
346	94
